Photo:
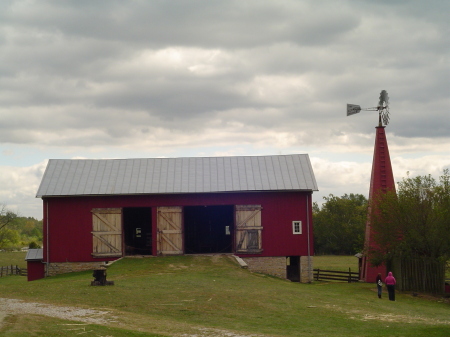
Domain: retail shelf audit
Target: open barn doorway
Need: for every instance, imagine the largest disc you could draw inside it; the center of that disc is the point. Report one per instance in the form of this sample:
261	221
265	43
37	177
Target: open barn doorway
293	268
137	227
208	229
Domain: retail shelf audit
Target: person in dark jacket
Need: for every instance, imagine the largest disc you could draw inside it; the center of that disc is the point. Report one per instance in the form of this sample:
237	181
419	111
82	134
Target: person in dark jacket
379	284
390	284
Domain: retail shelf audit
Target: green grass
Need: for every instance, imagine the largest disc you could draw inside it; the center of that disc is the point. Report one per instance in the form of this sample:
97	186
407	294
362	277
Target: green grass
336	262
13	258
26	326
176	295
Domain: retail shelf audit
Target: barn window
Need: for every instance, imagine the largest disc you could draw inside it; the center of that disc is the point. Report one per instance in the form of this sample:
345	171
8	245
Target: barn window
253	242
248	229
296	227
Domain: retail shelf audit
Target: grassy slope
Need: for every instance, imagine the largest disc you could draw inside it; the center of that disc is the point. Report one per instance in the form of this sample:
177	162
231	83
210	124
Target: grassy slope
173	295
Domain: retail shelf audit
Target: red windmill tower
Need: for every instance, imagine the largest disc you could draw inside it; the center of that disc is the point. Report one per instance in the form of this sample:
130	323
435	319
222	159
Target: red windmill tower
382	180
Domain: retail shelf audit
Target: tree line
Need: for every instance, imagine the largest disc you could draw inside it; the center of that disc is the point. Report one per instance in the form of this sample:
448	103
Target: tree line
339	224
18	232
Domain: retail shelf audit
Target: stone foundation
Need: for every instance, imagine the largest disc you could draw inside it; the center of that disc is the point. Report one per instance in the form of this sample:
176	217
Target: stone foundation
306	269
70	267
275	266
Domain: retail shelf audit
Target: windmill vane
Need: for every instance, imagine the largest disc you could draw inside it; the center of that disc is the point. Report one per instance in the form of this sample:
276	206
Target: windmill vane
382	108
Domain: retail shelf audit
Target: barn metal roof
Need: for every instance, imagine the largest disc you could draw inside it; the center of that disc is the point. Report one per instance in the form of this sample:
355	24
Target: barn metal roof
68	177
35	255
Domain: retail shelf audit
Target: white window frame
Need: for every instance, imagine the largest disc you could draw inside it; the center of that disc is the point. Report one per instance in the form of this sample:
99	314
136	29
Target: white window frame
296	227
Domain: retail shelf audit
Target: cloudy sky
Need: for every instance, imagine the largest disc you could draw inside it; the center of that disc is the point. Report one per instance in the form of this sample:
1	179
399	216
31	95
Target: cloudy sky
143	79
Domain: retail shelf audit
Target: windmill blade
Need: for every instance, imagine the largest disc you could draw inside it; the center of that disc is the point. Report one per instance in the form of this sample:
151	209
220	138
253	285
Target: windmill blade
385	117
353	109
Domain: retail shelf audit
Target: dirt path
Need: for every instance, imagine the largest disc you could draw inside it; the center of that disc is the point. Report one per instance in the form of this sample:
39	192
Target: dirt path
13	306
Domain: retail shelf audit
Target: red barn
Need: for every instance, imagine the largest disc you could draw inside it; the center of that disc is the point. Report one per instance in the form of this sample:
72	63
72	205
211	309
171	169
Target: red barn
258	208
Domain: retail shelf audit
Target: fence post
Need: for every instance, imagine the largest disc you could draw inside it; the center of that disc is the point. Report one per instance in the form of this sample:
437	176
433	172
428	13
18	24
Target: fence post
318	272
349	275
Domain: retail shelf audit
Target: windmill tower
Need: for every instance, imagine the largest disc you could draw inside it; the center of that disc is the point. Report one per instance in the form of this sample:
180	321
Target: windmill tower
382	180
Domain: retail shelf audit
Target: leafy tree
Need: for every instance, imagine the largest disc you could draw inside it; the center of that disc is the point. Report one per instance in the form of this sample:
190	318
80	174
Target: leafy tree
339	225
33	245
17	232
415	221
9	238
29	228
6	216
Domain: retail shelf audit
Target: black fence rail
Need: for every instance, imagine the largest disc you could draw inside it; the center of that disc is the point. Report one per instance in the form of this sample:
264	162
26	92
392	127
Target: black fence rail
335	275
12	270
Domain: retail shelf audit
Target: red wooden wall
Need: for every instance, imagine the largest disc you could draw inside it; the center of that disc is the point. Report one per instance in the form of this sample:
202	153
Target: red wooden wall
35	270
69	220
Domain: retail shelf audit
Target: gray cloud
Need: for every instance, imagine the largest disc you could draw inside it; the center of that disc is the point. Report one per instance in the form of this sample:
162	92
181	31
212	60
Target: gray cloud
232	24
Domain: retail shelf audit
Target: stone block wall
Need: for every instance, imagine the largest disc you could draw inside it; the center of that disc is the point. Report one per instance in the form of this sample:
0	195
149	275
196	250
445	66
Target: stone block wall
275	265
70	267
306	269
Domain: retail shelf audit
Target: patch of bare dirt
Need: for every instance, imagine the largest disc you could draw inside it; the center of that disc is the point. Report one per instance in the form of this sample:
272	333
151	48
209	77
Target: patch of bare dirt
93	316
208	332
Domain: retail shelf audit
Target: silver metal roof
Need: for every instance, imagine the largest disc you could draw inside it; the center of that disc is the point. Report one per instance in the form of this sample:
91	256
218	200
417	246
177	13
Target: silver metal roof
67	177
35	255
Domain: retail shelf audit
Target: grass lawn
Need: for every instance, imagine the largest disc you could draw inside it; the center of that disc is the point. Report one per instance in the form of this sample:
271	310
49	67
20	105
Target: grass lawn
336	262
176	296
13	258
23	326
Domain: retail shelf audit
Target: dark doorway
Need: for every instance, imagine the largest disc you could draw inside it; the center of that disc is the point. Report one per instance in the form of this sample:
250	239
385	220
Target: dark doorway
293	268
208	229
137	226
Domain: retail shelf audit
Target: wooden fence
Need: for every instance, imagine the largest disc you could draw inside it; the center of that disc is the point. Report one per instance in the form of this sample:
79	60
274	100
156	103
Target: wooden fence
325	275
413	274
12	270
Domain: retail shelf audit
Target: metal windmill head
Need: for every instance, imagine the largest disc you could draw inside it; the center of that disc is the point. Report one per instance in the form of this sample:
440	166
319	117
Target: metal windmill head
382	108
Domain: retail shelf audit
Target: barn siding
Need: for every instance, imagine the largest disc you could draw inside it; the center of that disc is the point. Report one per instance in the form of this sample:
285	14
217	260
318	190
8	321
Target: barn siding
70	220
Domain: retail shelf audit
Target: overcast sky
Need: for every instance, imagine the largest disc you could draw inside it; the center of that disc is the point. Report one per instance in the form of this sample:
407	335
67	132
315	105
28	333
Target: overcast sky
144	79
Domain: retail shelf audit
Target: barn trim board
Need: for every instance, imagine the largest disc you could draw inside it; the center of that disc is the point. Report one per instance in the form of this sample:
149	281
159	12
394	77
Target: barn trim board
99	210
